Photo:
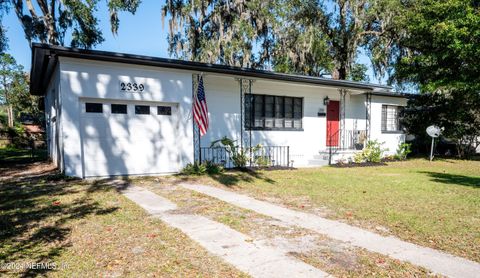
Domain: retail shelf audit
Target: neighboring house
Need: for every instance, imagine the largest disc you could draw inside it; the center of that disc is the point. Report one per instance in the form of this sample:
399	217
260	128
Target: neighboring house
33	129
120	114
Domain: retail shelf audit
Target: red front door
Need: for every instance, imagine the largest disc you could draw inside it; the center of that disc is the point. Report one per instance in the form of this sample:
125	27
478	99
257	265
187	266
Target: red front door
333	123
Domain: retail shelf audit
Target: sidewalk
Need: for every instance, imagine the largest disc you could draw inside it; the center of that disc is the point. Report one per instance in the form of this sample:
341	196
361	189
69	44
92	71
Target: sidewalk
434	260
253	258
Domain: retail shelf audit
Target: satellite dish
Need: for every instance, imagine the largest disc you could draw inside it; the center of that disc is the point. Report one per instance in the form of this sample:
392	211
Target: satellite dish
434	131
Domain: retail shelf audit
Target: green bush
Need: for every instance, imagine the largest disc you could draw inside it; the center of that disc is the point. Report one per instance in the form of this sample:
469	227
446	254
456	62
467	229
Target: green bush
372	152
3	119
403	150
197	168
262	160
16	135
213	168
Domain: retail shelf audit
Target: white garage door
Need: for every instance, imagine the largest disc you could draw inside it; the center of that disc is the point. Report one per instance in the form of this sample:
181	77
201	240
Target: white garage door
128	138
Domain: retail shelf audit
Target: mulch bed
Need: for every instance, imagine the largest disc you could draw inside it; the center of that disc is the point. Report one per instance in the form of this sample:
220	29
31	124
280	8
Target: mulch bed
363	164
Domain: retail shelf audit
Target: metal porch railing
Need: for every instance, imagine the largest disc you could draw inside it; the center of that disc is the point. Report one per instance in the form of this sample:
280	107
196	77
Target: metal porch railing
354	140
266	156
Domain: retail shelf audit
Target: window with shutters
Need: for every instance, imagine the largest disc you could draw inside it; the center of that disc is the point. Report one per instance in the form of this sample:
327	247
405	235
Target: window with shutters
268	112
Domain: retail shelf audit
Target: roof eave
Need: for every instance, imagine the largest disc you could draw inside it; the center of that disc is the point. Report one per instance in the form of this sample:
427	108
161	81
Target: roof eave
40	49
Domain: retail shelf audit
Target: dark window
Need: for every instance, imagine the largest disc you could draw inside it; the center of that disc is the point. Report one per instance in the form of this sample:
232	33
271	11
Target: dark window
273	112
164	110
119	109
390	118
258	109
93	107
269	111
142	109
279	111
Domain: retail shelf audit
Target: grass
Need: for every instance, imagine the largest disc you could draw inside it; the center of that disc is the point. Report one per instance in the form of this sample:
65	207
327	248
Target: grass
10	155
91	230
334	257
87	229
433	204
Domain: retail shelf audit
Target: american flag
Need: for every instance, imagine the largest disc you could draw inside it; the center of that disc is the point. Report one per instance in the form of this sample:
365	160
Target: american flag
200	110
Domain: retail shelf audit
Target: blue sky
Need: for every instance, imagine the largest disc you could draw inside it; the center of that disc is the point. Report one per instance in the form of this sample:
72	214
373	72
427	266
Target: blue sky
141	33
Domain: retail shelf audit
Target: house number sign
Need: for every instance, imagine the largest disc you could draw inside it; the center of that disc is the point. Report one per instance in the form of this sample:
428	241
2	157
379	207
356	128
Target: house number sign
131	87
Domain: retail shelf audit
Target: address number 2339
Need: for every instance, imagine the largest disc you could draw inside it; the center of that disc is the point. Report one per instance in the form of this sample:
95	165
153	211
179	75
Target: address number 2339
131	87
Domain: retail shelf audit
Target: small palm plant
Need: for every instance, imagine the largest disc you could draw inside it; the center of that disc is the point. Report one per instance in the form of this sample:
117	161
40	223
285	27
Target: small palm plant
239	156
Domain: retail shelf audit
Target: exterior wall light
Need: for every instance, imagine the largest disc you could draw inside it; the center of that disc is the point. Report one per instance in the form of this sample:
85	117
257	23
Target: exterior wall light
326	100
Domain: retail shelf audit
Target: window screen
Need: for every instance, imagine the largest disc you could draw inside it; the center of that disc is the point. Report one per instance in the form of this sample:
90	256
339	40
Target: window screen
93	107
119	109
390	118
142	109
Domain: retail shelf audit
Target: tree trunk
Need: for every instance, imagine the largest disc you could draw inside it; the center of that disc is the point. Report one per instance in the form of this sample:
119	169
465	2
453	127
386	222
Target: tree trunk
339	73
10	115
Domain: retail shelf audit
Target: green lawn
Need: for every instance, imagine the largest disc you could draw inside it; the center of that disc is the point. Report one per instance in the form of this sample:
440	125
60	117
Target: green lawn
434	204
87	226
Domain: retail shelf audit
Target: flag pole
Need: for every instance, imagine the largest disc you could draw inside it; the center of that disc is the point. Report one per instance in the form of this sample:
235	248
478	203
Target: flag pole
198	128
199	112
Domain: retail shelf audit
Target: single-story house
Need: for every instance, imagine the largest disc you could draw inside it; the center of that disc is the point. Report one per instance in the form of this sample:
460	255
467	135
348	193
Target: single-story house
120	114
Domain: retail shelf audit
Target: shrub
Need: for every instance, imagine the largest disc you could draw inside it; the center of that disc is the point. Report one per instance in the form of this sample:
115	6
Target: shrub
197	168
16	135
403	150
262	160
372	152
213	168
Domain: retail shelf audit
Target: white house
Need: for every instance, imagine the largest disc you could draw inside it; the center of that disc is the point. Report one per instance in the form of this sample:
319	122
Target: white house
120	114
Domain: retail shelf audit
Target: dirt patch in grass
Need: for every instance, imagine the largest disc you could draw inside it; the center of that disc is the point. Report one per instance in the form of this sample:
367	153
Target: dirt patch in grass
334	257
344	262
87	229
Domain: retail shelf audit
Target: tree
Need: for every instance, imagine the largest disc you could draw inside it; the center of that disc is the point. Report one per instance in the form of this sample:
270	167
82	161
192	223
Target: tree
300	45
299	36
440	49
23	103
3	31
50	21
9	71
358	73
347	26
14	91
440	53
457	112
216	31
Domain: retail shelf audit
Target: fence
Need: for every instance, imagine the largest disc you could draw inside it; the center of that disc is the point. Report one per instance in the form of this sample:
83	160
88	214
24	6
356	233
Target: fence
354	140
265	156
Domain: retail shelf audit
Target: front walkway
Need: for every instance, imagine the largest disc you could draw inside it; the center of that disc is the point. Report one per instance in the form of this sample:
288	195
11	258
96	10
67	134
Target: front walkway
436	261
254	258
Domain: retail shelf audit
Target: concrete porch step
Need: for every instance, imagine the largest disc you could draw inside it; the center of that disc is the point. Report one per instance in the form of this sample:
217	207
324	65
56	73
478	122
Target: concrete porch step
318	162
338	151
